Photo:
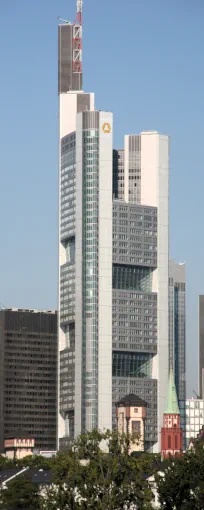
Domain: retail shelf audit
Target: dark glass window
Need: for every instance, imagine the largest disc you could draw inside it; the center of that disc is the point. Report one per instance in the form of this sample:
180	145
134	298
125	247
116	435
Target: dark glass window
131	364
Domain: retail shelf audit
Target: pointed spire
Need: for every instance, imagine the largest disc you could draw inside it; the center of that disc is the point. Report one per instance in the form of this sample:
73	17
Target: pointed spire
172	401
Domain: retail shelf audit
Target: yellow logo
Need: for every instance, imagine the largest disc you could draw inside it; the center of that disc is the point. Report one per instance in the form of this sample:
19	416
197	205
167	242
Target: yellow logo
106	127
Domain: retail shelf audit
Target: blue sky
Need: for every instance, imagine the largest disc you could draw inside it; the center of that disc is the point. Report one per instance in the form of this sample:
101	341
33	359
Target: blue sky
144	61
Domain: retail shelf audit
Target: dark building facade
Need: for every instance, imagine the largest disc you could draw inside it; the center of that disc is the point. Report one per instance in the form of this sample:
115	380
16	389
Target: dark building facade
68	53
177	326
28	375
201	346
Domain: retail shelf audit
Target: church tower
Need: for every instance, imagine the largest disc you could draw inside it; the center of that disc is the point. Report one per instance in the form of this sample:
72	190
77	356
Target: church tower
171	432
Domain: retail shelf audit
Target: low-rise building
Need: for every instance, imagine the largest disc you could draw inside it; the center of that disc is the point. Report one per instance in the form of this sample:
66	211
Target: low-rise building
192	418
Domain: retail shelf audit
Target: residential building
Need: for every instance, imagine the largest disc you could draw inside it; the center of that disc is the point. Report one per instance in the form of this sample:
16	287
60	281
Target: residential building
177	326
113	265
192	418
18	445
201	346
28	376
131	414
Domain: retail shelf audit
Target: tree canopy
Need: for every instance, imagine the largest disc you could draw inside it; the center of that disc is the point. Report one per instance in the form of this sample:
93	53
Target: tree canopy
88	478
182	486
20	494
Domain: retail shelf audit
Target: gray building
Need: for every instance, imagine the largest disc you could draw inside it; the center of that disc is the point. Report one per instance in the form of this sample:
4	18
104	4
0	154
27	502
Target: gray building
28	375
201	347
113	267
177	325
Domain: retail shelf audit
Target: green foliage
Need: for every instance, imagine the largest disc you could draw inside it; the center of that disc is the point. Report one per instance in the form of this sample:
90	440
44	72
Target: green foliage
182	487
5	463
19	494
34	461
88	478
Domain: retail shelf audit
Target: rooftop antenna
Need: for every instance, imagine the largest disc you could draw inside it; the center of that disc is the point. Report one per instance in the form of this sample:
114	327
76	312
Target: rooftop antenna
64	20
77	39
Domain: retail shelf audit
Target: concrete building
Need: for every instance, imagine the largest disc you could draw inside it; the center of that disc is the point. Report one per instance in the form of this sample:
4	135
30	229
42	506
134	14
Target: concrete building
130	415
28	375
113	265
201	346
140	279
177	326
192	418
18	445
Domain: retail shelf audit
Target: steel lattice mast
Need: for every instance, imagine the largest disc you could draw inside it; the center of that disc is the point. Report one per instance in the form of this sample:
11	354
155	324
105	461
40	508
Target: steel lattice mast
77	40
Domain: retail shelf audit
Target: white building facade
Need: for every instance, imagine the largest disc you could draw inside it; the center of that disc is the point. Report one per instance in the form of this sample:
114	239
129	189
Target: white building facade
192	418
113	265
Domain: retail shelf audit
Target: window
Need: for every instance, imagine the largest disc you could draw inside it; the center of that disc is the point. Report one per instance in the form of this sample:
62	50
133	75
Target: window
169	442
176	442
136	427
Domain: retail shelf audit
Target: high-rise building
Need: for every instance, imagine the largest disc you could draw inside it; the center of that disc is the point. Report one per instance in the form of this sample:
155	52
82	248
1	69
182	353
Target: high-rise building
113	265
201	347
28	376
177	326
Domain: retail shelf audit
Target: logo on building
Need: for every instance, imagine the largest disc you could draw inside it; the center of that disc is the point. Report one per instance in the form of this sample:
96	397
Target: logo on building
106	127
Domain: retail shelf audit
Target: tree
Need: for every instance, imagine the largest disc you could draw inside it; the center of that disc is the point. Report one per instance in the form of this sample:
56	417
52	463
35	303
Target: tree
88	478
19	494
182	486
5	462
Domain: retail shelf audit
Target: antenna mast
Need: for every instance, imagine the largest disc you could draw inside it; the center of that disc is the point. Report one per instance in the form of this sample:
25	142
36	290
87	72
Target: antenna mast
77	40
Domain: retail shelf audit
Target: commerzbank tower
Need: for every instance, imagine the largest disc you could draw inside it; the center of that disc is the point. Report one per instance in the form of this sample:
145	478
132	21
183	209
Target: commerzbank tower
113	259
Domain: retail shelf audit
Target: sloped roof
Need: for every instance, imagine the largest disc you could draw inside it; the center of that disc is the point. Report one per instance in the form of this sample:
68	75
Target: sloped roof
172	401
131	400
38	476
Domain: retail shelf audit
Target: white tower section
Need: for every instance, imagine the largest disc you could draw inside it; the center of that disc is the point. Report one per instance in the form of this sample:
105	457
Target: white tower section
155	192
69	104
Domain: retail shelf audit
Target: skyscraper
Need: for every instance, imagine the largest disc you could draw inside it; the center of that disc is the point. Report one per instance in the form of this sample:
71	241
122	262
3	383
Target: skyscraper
177	326
201	347
113	258
28	375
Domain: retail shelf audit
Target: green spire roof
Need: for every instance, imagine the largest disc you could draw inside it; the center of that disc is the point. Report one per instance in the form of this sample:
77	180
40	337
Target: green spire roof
172	401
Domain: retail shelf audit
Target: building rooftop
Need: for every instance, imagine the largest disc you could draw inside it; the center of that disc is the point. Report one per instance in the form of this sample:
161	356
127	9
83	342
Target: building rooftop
38	476
31	310
131	400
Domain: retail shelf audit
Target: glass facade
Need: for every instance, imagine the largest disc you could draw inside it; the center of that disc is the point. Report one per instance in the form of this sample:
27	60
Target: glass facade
132	278
67	186
192	418
90	278
177	325
131	364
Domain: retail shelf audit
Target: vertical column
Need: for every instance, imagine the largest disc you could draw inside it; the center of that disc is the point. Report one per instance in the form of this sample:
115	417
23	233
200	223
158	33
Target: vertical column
78	278
105	273
155	192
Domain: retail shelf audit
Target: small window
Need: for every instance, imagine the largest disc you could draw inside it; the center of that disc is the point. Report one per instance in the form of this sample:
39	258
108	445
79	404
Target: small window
176	442
169	442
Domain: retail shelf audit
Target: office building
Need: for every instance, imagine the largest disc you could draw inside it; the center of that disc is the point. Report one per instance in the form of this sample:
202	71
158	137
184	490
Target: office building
192	418
177	326
201	346
28	376
113	264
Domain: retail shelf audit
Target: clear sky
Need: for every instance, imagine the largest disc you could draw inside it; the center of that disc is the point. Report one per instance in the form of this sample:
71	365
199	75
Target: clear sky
144	61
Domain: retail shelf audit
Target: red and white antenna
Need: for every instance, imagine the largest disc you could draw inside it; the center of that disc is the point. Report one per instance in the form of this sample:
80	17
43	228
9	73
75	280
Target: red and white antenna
77	39
79	11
